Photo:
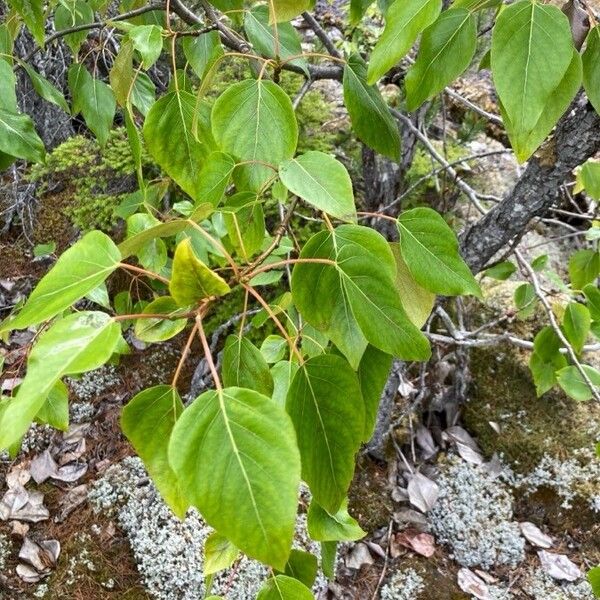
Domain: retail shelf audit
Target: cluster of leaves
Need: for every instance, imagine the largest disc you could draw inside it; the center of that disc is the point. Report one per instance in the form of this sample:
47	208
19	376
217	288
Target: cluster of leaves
299	407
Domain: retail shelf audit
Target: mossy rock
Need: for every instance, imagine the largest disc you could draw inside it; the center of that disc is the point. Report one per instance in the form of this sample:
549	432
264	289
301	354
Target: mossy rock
502	392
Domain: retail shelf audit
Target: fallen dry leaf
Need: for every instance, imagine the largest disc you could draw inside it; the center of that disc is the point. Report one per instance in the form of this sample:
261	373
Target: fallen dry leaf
28	574
535	535
359	556
472	584
43	467
559	566
466	446
421	543
422	492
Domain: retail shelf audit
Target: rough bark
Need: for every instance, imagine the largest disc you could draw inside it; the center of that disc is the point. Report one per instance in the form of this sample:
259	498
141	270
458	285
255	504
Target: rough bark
576	138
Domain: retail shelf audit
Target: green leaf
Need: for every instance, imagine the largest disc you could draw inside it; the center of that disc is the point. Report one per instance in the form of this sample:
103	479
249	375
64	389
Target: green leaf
593	576
55	410
8	95
403	23
589	178
77	76
147	40
132	245
121	75
327	409
573	384
340	526
261	35
532	49
322	181
283	587
576	325
244	366
80	342
219	553
370	115
584	267
373	372
526	142
591	67
351	301
254	121
143	93
592	293
78	271
501	271
430	250
416	301
159	330
282	372
244	219
192	280
302	566
446	50
202	51
273	348
71	14
546	359
147	421
540	262
525	300
169	139
286	10
358	8
19	138
153	254
98	107
214	178
235	454
45	89
32	12
328	558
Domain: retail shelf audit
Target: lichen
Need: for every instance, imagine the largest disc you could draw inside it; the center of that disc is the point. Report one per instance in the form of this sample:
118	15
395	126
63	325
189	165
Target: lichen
5	548
474	517
405	584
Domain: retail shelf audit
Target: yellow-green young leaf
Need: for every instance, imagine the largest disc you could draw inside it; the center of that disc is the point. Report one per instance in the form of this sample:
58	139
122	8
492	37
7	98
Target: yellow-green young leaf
351	301
244	366
282	587
261	35
18	137
525	300
446	50
44	88
322	181
147	40
403	23
32	13
192	280
531	51
147	421
584	267
132	245
202	51
373	372
370	115
219	553
82	268
576	325
302	566
286	10
573	384
340	526
525	143
591	67
55	410
170	141
592	293
80	342
430	250
546	359
121	74
588	178
234	452
501	271
327	409
244	220
70	14
159	330
416	300
254	121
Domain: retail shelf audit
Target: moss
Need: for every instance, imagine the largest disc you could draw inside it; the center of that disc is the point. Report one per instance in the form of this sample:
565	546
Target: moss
92	181
503	392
